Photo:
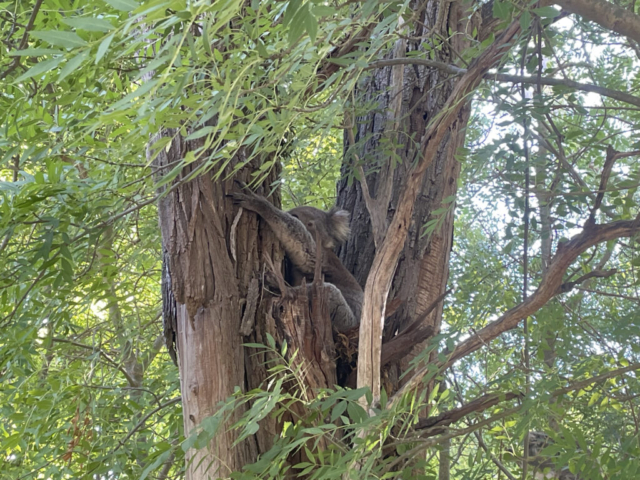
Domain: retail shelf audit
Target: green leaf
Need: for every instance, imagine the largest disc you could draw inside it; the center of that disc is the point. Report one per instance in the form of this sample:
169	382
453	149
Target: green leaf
90	24
73	64
201	133
102	49
298	24
502	10
525	20
34	52
311	25
546	12
151	467
59	38
40	68
123	5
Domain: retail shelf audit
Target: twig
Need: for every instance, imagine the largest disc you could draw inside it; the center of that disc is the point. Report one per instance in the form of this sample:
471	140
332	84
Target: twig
142	421
23	42
104	355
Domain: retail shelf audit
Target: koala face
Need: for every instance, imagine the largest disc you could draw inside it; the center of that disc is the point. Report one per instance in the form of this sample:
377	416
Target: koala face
331	226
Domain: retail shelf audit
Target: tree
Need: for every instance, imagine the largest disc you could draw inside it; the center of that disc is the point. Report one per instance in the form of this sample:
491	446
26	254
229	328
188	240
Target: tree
113	109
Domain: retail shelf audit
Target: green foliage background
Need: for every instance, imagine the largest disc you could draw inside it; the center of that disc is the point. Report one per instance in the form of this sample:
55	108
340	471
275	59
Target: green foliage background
87	389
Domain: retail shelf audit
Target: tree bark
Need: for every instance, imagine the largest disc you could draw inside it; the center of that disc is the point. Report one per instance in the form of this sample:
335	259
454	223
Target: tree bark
423	268
212	257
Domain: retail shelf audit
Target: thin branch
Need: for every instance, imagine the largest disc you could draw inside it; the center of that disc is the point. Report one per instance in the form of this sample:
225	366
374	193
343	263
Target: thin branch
143	420
609	294
493	458
23	42
604	179
568	286
102	353
439	423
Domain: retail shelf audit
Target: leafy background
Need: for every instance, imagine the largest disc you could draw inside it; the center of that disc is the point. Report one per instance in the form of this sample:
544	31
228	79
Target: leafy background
88	390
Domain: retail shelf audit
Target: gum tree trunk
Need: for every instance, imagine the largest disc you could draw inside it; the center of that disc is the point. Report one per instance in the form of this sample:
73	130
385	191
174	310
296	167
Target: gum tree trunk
423	268
212	253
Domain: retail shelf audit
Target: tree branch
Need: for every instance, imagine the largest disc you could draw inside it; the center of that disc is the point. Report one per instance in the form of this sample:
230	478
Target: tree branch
23	41
606	14
102	354
501	77
438	424
550	286
386	258
143	420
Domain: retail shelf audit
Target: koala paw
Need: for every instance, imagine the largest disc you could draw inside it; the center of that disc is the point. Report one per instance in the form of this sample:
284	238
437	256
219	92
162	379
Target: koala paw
247	200
239	198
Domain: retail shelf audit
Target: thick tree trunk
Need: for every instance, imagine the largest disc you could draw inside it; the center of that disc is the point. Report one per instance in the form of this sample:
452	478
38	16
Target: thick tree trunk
212	254
214	301
423	268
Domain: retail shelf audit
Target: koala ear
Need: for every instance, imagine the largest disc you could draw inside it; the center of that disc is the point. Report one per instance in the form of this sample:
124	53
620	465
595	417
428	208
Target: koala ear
339	224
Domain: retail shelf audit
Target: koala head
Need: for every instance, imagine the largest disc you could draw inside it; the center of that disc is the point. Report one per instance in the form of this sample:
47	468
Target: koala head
332	226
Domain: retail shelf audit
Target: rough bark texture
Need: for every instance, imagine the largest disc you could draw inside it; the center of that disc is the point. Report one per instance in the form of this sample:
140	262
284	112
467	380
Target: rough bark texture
422	271
214	301
210	276
612	17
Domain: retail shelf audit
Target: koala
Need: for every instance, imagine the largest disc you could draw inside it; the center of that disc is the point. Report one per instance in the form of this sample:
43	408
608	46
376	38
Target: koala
297	230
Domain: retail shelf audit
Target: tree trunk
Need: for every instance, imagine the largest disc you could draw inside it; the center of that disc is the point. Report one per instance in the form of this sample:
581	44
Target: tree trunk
423	267
214	302
212	254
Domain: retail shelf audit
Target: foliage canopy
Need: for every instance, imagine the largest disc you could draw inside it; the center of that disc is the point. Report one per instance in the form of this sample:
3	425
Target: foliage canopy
88	390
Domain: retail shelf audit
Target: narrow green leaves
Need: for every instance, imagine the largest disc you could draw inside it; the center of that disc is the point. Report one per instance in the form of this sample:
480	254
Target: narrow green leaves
123	5
41	68
73	64
59	38
90	24
102	49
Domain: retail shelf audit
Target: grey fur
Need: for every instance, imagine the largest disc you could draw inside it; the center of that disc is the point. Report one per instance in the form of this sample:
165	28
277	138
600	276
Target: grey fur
297	231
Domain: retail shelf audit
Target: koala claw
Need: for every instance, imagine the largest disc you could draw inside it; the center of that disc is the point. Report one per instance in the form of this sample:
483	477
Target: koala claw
239	198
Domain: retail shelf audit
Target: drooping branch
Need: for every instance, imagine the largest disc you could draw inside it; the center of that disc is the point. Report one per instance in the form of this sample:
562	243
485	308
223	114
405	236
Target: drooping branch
550	286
